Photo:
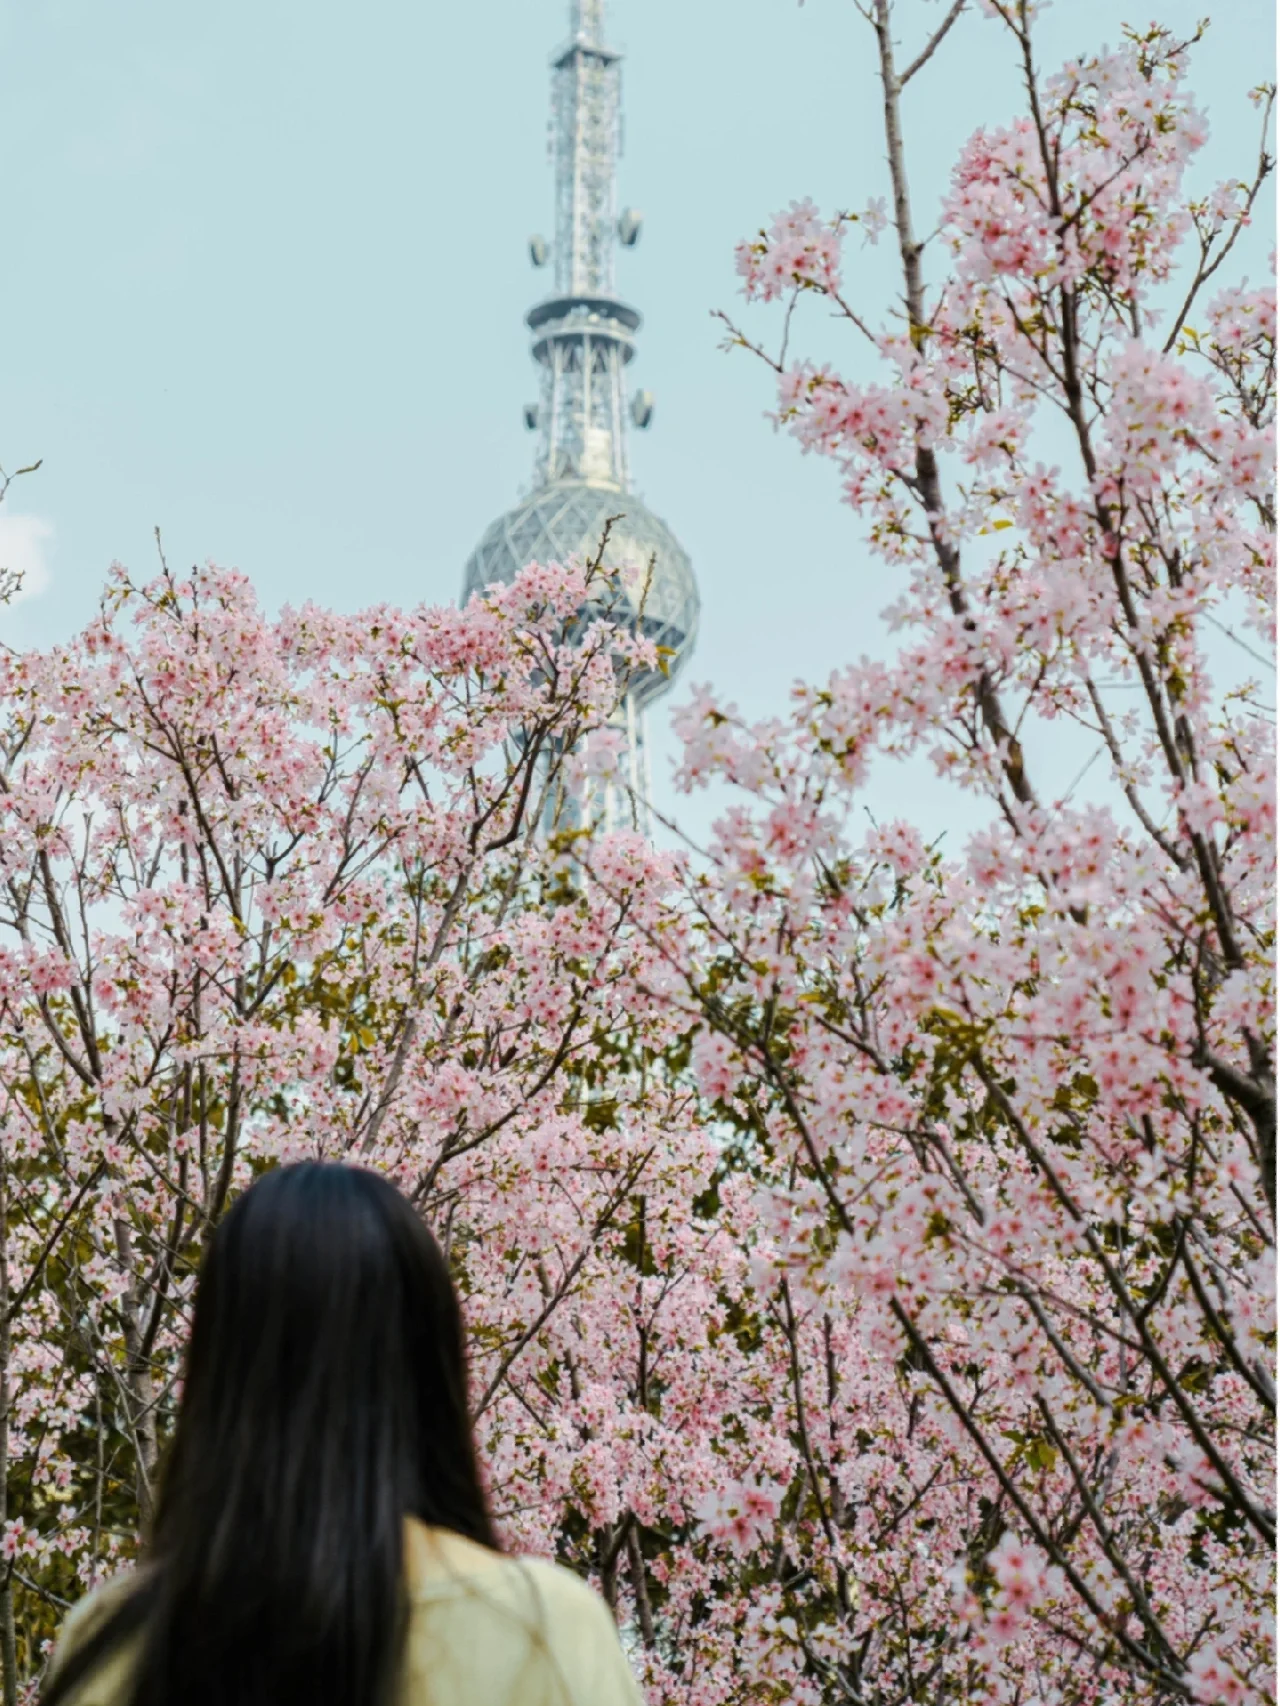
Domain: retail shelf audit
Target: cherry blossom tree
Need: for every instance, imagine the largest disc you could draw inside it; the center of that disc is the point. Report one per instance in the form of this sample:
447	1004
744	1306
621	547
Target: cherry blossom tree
998	1124
868	1247
280	888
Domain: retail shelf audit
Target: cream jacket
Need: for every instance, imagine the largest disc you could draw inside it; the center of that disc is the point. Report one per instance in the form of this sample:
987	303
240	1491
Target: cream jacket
482	1628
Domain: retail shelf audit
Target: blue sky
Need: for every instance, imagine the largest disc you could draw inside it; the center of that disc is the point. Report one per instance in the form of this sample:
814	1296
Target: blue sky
265	275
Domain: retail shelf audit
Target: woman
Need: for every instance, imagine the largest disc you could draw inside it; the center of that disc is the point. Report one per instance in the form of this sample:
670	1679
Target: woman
321	1534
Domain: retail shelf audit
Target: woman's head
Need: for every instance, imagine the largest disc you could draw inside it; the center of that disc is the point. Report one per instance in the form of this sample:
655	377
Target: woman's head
325	1400
326	1369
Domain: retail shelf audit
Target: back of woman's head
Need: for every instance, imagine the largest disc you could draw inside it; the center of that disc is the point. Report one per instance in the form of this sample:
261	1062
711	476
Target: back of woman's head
324	1401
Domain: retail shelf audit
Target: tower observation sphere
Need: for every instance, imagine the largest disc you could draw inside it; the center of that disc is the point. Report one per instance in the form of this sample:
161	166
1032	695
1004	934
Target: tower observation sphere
583	340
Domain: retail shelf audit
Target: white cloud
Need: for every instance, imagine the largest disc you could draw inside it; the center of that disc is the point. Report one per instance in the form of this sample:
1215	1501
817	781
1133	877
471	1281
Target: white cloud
24	550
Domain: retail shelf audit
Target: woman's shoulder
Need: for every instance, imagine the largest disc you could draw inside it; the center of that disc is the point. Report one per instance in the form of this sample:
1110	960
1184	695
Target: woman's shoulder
577	1628
88	1615
530	1605
562	1589
438	1559
85	1618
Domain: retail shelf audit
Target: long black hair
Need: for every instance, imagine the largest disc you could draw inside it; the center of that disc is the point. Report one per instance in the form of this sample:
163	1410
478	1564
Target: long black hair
325	1400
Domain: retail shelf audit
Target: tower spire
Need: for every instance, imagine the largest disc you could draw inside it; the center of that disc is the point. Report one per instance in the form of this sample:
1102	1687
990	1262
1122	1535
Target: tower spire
587	18
583	336
586	101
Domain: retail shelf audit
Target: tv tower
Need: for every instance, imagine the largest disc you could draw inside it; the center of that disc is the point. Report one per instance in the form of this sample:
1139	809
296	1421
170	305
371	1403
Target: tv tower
583	340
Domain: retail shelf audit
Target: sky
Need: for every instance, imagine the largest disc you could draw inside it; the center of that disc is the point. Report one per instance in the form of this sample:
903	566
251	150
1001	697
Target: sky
265	275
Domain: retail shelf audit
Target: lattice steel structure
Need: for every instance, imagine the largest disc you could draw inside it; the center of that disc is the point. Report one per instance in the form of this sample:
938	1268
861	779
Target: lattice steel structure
583	339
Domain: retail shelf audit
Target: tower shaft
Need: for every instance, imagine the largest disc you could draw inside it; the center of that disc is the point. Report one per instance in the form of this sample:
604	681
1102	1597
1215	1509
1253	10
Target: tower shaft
583	334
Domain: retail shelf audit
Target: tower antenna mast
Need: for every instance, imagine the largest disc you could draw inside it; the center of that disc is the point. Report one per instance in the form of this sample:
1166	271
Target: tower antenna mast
583	335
